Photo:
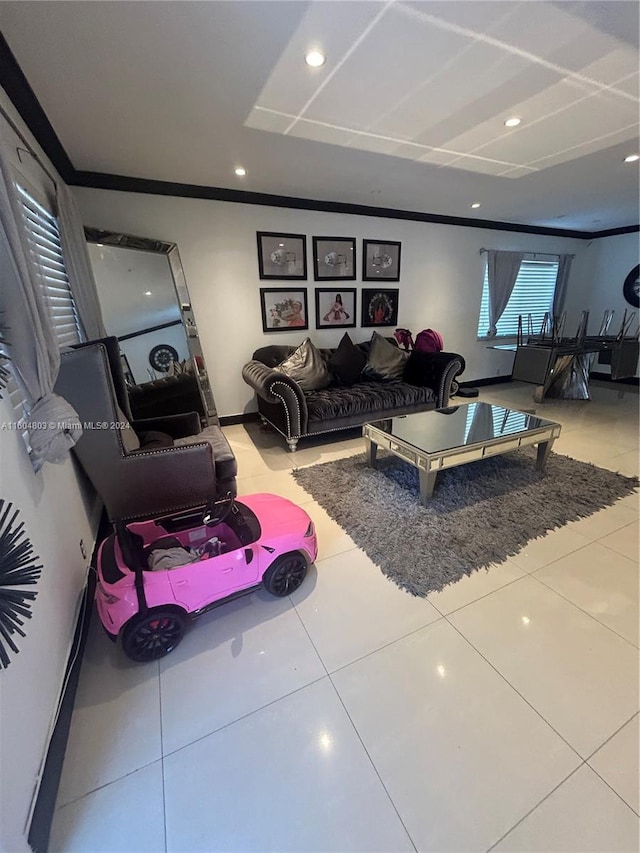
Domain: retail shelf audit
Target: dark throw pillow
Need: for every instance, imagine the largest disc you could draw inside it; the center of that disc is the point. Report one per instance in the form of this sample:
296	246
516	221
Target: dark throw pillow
152	438
386	360
347	362
307	366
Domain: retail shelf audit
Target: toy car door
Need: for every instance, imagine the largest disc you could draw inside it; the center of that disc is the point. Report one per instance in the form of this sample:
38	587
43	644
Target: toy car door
198	584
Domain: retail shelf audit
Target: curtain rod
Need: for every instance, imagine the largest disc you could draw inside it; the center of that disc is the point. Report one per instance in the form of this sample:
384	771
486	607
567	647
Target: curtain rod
541	254
28	147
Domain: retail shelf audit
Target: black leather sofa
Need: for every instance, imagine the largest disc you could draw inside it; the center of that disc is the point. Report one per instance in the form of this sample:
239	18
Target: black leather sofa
298	414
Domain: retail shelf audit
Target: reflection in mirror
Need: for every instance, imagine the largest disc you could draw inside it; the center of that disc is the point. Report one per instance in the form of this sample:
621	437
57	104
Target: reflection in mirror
145	304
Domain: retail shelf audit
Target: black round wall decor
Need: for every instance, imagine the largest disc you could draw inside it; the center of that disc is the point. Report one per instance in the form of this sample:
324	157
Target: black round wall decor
17	568
161	356
631	287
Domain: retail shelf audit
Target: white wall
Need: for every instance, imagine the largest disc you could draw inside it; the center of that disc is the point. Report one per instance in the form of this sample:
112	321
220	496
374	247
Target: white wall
440	286
607	262
57	513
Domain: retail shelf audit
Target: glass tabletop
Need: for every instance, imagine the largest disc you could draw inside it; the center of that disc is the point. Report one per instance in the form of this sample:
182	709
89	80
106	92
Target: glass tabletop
460	426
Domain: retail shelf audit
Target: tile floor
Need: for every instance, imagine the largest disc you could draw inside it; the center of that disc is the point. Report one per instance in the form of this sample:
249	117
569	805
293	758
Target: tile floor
500	713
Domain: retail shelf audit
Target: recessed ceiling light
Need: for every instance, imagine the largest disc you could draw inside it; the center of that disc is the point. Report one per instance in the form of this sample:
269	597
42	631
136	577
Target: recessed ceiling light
475	205
315	59
240	172
632	158
512	122
148	293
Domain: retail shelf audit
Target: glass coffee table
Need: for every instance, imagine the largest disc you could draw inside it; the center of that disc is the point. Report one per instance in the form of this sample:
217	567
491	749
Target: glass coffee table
444	438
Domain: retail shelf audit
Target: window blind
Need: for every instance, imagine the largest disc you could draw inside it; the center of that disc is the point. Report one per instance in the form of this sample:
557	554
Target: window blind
46	250
532	294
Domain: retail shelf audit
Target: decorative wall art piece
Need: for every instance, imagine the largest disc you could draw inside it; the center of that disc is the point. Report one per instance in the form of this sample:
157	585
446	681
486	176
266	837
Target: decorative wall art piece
161	356
334	258
335	307
18	567
4	358
283	309
380	307
631	287
380	261
282	256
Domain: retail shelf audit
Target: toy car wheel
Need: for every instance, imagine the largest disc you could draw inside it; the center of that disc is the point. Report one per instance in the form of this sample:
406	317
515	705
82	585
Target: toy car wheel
285	575
154	635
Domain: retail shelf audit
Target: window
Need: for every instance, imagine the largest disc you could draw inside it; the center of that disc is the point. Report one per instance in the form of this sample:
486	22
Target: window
46	249
532	294
504	421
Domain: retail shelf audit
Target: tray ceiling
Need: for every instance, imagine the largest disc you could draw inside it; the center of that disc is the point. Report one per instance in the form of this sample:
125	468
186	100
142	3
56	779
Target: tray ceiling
407	112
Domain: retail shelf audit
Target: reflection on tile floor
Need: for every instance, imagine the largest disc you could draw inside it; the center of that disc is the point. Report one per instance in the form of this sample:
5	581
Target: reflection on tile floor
353	716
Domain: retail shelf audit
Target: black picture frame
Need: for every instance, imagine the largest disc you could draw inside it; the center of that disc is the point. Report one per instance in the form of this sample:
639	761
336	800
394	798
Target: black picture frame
282	256
379	307
279	313
381	260
326	301
334	258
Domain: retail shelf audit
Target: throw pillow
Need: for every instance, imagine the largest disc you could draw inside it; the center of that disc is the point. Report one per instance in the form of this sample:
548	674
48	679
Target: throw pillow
307	367
347	361
386	360
152	438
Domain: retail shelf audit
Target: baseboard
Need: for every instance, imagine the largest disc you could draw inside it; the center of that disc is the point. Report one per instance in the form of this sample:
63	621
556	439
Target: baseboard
606	377
244	418
490	380
40	826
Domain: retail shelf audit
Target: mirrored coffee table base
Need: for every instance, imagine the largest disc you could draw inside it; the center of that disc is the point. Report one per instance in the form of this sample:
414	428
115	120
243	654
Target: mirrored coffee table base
445	438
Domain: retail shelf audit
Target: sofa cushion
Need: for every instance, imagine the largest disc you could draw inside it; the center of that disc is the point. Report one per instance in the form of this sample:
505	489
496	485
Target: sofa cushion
224	460
347	361
385	361
307	367
364	398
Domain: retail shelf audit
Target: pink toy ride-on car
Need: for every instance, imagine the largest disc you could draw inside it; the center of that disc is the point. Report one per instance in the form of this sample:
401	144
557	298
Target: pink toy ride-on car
156	576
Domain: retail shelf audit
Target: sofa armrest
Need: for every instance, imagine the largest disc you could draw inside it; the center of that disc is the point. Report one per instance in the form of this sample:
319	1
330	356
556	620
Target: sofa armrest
435	370
177	426
277	388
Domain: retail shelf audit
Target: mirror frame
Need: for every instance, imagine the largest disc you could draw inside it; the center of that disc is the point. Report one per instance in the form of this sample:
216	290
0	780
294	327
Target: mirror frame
147	244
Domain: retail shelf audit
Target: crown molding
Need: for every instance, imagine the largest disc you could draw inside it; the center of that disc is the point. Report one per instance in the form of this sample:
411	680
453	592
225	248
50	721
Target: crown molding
125	183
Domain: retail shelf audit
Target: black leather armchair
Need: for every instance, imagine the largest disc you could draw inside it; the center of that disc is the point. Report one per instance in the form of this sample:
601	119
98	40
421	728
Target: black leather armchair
138	473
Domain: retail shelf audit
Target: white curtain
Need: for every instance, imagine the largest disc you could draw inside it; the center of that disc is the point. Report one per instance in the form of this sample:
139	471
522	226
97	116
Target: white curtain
564	268
78	265
32	346
502	272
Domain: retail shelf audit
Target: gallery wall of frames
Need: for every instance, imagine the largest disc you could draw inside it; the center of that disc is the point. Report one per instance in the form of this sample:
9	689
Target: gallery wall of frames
283	258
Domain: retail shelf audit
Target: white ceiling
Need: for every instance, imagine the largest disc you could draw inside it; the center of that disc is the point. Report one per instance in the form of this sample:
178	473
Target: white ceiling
408	111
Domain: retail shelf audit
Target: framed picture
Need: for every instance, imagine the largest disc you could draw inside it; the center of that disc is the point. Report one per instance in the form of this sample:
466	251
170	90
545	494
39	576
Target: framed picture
283	309
335	308
380	307
334	258
380	261
282	256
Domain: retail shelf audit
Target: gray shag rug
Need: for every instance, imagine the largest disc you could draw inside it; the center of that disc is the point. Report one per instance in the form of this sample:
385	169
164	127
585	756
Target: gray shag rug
480	513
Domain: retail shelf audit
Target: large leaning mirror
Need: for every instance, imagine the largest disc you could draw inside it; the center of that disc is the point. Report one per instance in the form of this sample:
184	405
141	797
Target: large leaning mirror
145	304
